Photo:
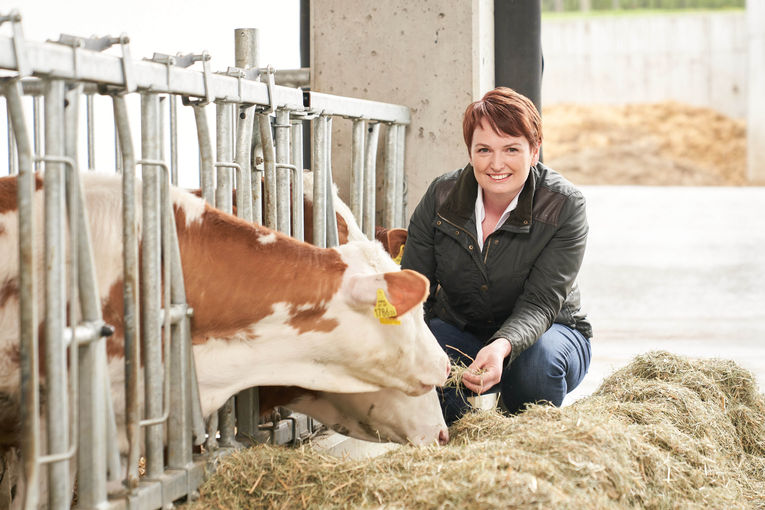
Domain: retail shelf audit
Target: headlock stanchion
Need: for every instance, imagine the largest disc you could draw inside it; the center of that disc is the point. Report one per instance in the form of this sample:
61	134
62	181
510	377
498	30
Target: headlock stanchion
76	428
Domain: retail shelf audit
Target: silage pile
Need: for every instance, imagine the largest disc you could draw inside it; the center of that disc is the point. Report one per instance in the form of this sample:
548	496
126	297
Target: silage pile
663	432
657	144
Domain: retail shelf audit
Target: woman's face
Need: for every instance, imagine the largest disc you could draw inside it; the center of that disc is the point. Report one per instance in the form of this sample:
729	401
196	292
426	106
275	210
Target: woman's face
501	162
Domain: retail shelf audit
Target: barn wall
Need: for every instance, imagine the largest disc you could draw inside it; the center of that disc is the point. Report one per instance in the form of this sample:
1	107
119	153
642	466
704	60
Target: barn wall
700	59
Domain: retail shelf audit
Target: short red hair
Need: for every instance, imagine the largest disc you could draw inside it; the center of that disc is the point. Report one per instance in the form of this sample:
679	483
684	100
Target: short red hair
506	111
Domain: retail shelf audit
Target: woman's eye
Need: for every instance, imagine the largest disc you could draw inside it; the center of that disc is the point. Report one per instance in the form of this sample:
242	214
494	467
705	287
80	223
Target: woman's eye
483	149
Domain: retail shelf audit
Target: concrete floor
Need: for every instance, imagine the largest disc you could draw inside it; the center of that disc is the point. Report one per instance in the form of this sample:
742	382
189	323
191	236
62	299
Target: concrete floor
675	268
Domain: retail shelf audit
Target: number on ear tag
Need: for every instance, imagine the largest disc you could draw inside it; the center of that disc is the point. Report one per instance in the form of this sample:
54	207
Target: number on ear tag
384	310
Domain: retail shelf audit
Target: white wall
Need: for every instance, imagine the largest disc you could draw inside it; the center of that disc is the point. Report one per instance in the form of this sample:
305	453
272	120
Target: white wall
697	58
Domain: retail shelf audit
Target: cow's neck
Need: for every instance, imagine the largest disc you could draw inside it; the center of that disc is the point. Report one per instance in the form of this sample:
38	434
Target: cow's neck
235	273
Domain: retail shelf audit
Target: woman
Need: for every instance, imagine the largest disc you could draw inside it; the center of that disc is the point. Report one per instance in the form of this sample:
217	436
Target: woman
502	241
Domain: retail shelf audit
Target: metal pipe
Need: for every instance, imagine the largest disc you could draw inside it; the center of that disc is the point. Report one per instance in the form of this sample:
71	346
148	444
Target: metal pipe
12	168
173	106
332	236
298	215
37	129
150	285
269	178
246	47
57	401
206	171
357	168
244	176
91	132
389	177
319	182
130	288
401	189
370	182
223	143
28	342
282	129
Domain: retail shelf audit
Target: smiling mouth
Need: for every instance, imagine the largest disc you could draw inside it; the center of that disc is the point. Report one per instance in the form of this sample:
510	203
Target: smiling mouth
498	177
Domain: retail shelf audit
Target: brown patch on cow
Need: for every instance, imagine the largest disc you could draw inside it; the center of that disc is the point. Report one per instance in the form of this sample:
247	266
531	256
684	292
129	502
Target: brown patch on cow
396	241
9	192
113	312
342	226
311	319
406	289
233	280
10	289
270	397
2	229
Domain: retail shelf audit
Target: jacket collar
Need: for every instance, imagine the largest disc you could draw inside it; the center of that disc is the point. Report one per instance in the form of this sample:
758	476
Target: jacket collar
459	205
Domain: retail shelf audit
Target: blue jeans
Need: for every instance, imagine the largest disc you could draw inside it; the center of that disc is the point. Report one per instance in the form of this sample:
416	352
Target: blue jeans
549	369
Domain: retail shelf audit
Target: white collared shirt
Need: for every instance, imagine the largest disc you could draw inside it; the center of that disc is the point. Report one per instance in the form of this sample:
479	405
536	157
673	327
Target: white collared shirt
480	214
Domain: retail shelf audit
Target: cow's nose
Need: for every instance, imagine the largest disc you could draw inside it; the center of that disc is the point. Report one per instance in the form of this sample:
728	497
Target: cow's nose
443	437
448	369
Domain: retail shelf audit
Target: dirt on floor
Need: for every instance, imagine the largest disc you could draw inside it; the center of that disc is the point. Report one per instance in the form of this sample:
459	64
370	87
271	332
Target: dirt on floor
669	143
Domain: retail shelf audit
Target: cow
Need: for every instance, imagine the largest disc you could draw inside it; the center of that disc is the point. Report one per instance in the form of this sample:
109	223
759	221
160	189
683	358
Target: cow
269	310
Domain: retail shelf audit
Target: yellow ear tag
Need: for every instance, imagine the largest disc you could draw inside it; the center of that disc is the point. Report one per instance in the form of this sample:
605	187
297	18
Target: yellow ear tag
397	260
385	311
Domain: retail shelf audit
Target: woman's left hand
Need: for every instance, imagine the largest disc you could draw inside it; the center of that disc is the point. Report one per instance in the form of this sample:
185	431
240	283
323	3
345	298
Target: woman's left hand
486	369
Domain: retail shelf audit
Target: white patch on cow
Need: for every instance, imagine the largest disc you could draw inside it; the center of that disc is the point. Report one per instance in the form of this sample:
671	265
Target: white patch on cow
192	205
268	238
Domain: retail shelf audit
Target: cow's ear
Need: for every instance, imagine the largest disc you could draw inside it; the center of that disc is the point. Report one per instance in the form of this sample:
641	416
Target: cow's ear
396	240
403	289
406	289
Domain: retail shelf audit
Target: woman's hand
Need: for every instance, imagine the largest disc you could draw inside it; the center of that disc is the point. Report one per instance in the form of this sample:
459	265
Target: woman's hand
486	370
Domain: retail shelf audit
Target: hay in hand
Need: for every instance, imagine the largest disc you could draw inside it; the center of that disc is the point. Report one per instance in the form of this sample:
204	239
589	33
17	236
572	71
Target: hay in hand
663	432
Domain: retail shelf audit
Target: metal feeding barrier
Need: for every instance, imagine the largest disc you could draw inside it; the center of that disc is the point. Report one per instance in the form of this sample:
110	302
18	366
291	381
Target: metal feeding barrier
258	159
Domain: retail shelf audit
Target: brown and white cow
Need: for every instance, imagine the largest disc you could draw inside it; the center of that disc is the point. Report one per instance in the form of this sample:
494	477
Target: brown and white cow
290	313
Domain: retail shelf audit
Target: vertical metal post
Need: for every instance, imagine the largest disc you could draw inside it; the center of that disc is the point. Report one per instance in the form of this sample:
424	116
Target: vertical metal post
298	215
173	106
37	129
357	168
12	168
130	292
246	47
244	176
89	113
332	236
389	178
370	182
223	143
269	162
401	190
319	181
206	171
282	128
57	400
28	324
151	325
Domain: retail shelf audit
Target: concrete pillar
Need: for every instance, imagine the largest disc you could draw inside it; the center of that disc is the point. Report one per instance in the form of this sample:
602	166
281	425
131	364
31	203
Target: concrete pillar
435	57
755	11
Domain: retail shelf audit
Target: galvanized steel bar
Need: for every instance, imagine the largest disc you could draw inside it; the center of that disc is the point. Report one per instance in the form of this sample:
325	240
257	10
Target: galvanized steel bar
150	285
173	106
370	182
282	129
319	182
244	176
206	171
223	143
341	106
332	236
269	165
298	215
130	290
28	323
400	195
357	168
389	177
37	129
90	116
55	298
12	168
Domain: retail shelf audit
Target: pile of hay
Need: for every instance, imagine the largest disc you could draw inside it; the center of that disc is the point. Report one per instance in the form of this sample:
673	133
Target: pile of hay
663	432
656	144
